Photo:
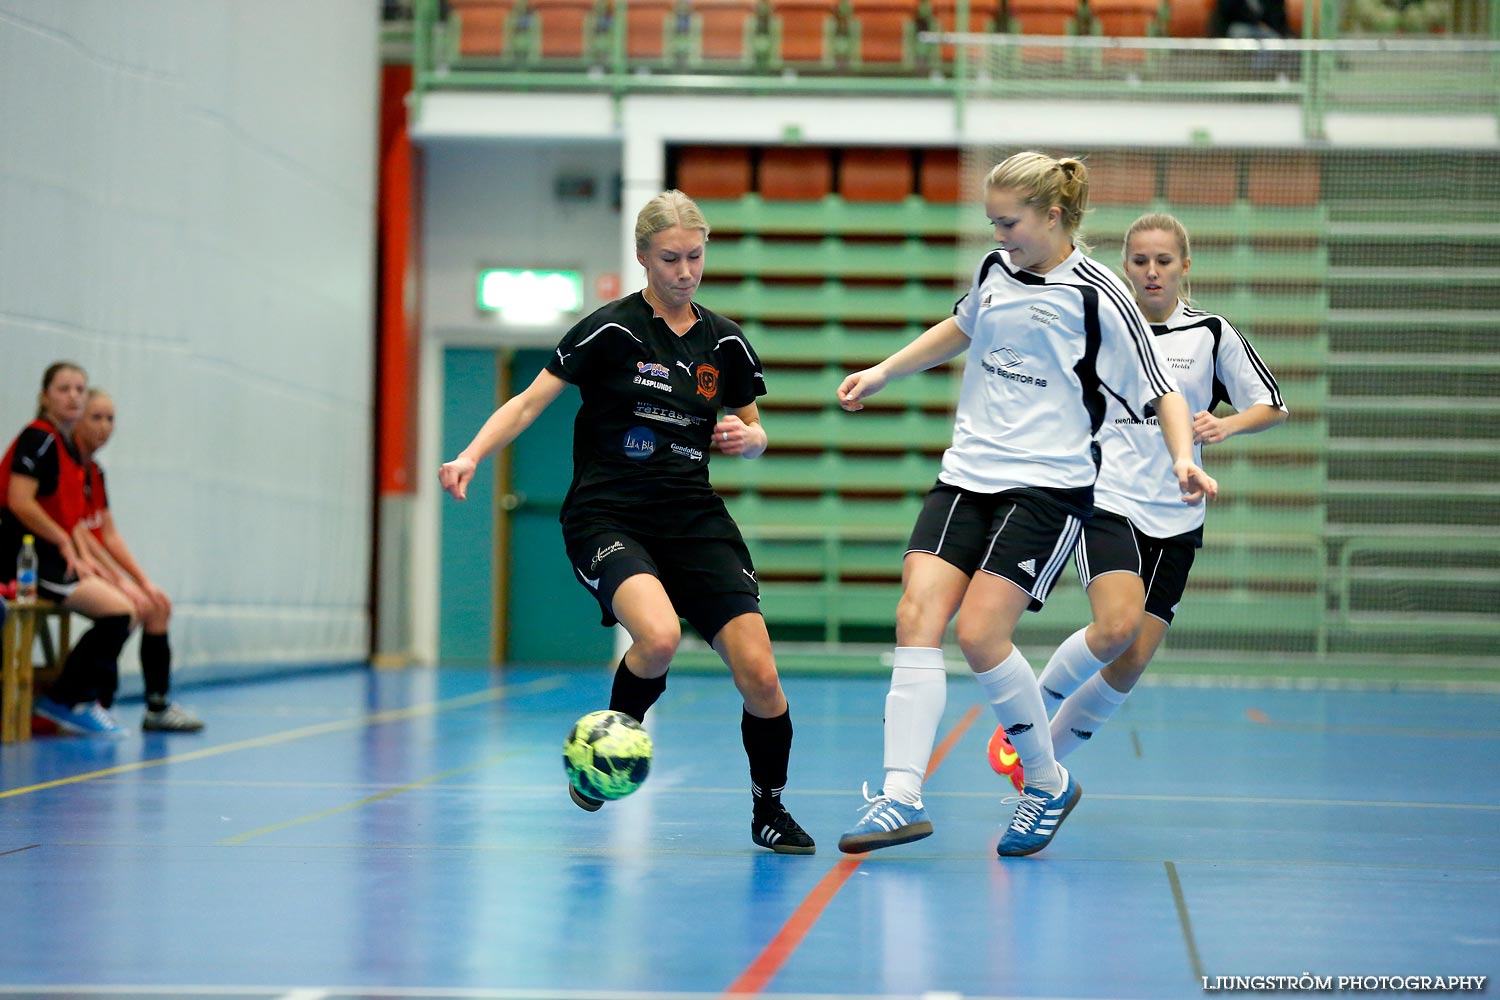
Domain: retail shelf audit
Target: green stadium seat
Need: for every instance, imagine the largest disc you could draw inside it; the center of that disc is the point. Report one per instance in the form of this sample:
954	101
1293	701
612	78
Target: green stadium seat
911	302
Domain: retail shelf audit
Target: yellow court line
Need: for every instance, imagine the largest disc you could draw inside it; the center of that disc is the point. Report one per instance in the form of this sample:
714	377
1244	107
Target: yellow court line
373	719
357	803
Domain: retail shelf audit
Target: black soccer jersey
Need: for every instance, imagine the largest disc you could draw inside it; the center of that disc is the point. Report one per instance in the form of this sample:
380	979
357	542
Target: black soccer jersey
641	440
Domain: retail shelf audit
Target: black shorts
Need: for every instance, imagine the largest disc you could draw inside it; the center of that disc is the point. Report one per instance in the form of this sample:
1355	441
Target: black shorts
52	580
1112	544
1019	535
709	578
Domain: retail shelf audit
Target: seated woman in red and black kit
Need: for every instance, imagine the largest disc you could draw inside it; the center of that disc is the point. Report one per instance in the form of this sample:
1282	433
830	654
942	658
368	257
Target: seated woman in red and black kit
97	538
43	495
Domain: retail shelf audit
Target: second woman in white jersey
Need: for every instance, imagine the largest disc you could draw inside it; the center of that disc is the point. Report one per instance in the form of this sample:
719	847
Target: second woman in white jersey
1051	338
1135	554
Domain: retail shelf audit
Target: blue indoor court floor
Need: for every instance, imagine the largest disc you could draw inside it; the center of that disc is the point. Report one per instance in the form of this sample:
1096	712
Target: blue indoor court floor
360	834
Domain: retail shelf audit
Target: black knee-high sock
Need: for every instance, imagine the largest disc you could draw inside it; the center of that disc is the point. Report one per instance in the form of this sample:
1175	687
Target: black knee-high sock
633	695
156	668
92	669
768	744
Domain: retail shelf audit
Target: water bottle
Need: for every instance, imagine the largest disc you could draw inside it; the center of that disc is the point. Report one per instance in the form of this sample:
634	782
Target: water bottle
26	571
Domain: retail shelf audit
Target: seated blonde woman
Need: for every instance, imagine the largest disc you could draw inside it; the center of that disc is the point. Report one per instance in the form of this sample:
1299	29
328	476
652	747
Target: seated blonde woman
103	551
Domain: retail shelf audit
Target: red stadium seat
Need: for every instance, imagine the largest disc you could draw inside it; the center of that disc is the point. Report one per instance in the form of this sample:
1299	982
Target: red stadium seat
1122	178
1126	18
795	173
1285	180
941	176
1189	18
1296	16
876	174
982	14
806	28
565	26
482	26
883	26
726	26
1043	17
714	171
1202	179
646	25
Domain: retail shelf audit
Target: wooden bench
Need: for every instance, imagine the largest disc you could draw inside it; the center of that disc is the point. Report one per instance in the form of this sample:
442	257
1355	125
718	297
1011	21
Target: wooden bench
24	624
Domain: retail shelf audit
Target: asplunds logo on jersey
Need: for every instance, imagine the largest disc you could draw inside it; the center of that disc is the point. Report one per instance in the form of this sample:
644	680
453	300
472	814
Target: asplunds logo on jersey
1001	362
640	443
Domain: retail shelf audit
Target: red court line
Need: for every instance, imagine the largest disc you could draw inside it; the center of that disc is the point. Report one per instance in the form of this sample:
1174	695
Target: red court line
774	955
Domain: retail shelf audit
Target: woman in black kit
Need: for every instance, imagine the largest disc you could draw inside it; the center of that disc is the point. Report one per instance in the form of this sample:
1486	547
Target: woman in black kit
646	533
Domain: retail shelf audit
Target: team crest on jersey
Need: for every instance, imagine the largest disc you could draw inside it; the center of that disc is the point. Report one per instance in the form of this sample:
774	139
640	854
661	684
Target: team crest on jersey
653	369
708	381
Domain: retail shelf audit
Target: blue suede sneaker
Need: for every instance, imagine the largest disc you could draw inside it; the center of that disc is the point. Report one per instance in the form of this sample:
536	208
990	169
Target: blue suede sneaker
1037	818
87	719
885	823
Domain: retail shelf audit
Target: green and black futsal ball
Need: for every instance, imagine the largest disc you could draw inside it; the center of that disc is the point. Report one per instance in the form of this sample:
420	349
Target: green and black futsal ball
607	755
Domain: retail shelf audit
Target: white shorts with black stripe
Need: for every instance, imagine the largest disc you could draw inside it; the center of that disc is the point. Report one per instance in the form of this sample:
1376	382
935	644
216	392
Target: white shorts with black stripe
1020	535
1112	544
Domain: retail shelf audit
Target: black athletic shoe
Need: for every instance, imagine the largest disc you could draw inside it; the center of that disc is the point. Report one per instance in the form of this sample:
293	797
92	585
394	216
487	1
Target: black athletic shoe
582	801
779	832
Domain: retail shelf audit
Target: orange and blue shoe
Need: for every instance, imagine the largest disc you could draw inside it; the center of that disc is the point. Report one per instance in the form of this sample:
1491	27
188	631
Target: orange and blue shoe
1005	760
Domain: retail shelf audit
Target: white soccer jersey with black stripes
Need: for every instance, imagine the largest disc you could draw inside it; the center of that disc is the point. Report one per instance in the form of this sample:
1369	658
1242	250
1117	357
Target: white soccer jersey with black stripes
1212	363
1046	352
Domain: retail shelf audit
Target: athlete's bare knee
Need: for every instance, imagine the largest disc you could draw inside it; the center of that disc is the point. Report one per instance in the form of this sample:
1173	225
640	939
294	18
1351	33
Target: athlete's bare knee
919	621
652	650
1113	633
982	644
760	686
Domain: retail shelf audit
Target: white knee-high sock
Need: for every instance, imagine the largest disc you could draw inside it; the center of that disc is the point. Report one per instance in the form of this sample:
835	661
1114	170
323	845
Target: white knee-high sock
1072	663
1083	713
1017	702
913	710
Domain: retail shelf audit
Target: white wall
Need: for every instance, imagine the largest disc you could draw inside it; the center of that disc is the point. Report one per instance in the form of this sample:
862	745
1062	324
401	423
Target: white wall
187	189
492	203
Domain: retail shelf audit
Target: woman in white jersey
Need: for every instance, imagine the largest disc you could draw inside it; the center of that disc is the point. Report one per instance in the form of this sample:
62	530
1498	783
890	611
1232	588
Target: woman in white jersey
1051	337
1136	552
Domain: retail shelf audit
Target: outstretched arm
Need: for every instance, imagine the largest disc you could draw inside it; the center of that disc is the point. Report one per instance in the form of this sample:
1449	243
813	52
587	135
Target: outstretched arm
936	344
1177	432
503	427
